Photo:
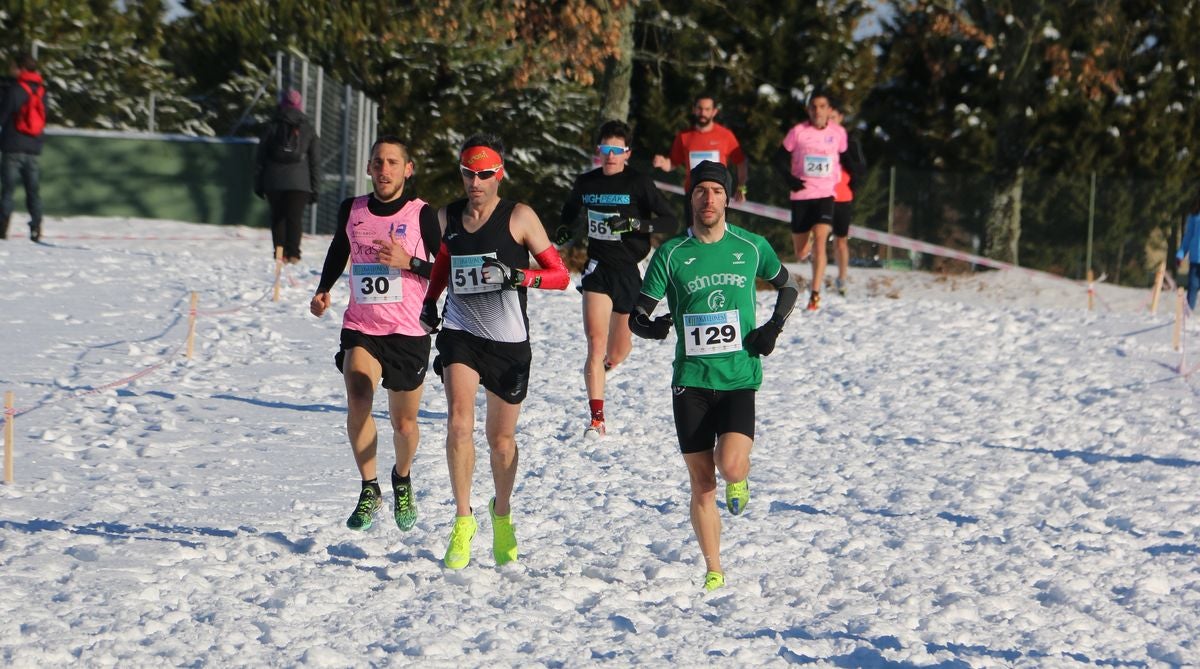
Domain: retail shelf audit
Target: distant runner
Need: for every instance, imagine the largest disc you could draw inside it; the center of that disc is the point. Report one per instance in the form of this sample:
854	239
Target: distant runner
618	208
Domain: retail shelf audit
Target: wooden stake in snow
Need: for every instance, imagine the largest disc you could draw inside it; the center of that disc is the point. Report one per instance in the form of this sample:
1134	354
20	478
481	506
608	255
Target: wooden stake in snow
1177	333
9	417
278	271
1158	284
191	340
1091	281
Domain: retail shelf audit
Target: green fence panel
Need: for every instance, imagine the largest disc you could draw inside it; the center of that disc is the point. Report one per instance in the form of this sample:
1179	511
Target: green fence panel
200	180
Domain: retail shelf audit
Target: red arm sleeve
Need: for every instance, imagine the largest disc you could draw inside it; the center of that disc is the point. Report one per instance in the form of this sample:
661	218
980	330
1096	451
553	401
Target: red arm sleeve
439	276
552	276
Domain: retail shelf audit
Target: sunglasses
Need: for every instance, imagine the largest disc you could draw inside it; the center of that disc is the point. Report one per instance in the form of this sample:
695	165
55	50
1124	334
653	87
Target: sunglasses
610	150
483	175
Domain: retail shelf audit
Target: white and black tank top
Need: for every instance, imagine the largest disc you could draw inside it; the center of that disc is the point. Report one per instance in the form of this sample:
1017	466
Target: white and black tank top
484	310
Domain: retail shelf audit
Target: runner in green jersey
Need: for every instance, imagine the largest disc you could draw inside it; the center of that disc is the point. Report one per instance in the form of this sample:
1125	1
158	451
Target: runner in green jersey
708	277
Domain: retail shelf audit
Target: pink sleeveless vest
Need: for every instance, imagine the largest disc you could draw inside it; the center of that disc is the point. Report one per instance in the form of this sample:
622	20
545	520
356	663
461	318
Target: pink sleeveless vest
384	300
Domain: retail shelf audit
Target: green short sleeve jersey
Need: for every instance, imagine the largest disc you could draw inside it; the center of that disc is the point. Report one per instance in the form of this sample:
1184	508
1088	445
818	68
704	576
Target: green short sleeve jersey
711	293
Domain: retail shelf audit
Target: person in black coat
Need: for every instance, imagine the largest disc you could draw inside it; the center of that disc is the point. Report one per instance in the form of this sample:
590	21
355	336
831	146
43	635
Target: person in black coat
20	146
286	172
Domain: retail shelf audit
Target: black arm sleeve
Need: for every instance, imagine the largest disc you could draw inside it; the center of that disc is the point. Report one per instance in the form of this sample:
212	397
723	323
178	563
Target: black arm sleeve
785	299
662	218
570	217
431	236
853	160
339	250
782	162
646	304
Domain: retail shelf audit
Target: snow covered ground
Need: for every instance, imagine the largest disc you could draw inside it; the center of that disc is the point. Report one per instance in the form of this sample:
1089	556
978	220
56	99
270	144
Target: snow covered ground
949	471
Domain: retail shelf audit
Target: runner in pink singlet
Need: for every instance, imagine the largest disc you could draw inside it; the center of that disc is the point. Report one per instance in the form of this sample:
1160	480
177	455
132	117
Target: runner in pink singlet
390	239
808	161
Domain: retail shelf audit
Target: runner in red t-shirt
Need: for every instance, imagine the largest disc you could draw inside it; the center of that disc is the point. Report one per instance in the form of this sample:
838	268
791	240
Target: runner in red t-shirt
706	140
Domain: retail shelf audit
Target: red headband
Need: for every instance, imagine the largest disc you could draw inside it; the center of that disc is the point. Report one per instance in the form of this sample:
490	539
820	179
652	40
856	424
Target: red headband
480	158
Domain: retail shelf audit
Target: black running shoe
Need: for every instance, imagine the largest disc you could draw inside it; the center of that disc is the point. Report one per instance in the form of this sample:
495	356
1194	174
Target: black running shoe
364	514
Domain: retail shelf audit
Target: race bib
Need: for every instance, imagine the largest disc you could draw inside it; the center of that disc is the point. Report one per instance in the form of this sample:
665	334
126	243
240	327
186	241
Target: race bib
818	166
466	274
709	334
598	226
375	283
697	157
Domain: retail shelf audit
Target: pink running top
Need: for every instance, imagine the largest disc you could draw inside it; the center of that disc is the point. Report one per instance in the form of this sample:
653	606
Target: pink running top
815	158
384	300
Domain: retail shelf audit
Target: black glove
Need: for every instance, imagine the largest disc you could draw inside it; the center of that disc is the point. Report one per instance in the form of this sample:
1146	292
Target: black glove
624	224
562	234
761	340
312	199
795	182
642	326
495	272
429	317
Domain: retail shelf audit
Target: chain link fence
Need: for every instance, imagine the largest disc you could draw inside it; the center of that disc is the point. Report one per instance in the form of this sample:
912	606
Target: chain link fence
345	122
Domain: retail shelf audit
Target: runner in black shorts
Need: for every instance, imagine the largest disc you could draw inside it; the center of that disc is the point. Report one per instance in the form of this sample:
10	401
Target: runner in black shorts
486	243
402	359
702	413
808	213
709	277
854	168
389	239
503	367
618	208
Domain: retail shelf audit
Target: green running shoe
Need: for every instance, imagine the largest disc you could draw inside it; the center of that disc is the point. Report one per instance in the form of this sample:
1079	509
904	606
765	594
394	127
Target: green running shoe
458	553
369	501
504	536
737	496
714	580
406	505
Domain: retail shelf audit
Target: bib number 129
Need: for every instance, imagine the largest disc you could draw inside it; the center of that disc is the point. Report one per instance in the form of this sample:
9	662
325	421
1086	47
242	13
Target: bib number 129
710	334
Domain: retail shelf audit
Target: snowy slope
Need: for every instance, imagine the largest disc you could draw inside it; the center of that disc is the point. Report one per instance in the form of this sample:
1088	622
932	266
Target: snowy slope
948	471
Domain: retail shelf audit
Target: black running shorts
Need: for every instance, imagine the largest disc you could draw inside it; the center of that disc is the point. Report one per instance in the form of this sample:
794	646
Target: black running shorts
503	367
807	213
403	358
842	213
622	283
702	415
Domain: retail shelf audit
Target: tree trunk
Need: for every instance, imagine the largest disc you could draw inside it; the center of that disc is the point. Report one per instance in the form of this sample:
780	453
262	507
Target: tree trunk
1004	219
618	69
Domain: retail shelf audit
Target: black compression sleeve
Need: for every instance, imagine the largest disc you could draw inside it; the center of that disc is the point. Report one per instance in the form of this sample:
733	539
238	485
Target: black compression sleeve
663	220
339	250
431	236
785	299
646	304
571	210
782	161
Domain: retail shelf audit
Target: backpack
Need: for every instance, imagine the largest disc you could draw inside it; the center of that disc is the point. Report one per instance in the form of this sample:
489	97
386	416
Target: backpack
30	119
283	144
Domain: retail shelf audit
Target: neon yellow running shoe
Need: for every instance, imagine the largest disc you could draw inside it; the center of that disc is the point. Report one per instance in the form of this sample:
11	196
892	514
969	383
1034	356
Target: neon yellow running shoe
714	580
737	496
458	553
504	536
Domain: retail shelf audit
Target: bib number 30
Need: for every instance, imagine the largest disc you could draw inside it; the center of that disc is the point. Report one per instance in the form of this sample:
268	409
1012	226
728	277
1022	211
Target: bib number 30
375	283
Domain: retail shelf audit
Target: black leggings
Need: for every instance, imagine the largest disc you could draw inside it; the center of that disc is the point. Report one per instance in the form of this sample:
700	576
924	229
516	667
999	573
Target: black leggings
287	209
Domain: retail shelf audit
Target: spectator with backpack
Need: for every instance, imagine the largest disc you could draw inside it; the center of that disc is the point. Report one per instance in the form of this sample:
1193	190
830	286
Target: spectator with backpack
286	172
23	121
